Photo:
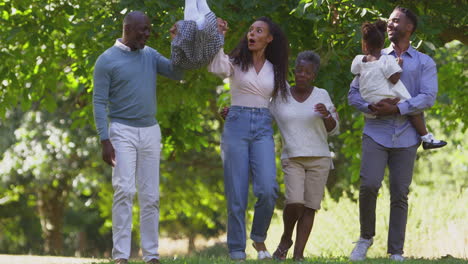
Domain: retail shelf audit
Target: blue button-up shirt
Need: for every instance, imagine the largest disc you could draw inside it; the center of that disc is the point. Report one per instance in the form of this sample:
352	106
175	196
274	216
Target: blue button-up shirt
420	78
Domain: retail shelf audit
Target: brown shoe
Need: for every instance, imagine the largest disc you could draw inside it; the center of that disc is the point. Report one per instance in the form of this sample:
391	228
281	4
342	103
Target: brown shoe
121	261
153	261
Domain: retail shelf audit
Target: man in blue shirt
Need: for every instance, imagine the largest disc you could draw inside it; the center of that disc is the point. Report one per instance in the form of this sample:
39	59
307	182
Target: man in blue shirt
125	93
390	139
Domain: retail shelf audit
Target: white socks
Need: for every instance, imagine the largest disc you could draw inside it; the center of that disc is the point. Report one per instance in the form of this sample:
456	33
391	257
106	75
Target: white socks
429	138
203	7
196	10
191	10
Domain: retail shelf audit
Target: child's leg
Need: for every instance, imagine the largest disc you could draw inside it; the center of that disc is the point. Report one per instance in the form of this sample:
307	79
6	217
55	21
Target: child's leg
418	123
191	10
429	142
203	7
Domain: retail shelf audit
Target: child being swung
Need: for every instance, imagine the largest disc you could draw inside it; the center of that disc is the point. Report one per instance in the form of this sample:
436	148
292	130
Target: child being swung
379	78
197	38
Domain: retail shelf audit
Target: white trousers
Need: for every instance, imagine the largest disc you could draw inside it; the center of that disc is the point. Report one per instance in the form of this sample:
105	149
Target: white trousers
137	153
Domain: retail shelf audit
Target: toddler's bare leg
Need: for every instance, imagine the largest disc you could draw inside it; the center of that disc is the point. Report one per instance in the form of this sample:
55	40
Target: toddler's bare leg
418	123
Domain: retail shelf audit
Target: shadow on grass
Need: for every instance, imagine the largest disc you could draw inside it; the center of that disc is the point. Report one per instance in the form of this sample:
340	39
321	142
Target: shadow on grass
217	250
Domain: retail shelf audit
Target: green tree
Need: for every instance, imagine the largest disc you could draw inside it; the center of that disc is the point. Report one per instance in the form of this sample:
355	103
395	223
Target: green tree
52	160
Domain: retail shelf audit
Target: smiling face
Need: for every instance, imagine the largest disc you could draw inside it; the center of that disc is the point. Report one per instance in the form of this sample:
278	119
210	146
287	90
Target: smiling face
258	36
399	26
304	73
137	32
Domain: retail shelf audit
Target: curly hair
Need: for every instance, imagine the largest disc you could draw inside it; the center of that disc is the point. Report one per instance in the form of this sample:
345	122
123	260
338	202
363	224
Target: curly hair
373	34
277	52
310	57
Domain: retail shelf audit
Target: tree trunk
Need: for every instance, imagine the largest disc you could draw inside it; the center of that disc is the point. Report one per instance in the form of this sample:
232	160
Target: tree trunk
51	206
191	244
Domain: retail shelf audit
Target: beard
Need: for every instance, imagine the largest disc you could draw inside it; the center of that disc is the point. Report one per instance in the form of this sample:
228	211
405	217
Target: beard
397	35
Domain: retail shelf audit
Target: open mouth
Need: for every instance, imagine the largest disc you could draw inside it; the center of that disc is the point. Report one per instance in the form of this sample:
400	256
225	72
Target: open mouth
251	41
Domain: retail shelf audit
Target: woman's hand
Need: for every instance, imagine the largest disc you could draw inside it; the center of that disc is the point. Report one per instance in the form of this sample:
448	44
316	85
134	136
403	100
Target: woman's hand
224	112
328	119
322	110
222	26
173	31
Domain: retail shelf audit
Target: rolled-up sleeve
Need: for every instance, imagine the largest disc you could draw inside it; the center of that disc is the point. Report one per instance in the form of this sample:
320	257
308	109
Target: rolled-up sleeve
427	91
332	109
355	99
221	65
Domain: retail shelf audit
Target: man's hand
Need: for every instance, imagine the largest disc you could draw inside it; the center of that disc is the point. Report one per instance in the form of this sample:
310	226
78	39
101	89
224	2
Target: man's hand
322	110
224	112
385	108
173	31
108	154
392	101
222	26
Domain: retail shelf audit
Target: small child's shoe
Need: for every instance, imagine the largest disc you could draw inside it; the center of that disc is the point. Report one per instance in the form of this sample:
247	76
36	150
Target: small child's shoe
429	142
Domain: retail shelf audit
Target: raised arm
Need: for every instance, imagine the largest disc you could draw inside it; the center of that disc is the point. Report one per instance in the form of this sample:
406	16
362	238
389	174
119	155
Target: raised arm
166	68
221	65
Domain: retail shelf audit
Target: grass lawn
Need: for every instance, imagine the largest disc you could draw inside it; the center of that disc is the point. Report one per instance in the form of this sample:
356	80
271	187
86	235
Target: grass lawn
208	260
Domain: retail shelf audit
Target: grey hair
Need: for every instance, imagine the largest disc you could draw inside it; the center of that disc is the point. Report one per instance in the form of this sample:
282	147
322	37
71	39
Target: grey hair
311	57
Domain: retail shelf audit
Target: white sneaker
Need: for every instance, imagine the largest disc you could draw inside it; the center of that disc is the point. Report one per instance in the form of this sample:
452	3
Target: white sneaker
263	254
360	250
397	257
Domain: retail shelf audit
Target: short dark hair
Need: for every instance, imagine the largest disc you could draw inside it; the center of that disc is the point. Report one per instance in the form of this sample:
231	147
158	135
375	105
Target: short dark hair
410	15
310	57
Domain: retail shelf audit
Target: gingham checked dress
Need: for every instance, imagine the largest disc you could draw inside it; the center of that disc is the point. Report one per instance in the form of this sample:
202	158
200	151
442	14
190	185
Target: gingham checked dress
193	48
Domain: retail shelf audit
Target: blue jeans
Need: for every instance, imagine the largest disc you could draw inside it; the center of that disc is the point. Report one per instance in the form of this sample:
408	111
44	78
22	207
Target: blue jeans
249	150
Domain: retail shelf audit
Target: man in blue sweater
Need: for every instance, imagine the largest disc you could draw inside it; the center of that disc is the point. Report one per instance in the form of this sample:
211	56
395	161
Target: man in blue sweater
125	93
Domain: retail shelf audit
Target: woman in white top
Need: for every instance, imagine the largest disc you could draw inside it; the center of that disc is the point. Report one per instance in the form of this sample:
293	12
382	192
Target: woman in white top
257	70
379	78
305	120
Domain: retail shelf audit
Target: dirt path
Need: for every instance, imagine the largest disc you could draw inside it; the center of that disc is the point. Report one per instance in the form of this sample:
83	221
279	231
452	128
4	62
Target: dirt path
25	259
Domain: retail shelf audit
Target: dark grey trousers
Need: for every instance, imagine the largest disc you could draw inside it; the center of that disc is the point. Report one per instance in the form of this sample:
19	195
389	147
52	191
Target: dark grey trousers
400	162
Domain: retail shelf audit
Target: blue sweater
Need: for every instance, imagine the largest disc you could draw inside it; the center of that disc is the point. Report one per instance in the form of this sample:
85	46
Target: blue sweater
125	86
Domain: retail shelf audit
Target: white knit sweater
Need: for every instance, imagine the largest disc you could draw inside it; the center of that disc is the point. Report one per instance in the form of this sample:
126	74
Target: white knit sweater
302	129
